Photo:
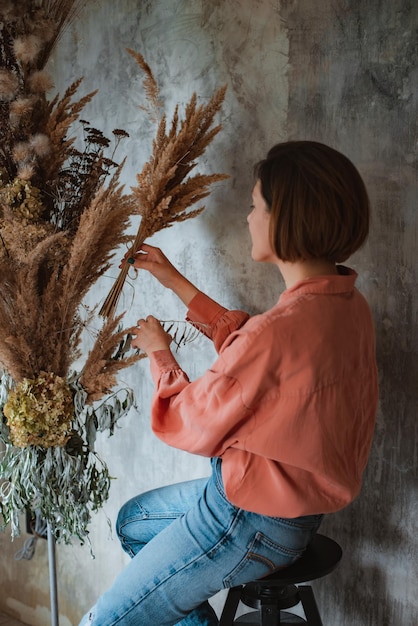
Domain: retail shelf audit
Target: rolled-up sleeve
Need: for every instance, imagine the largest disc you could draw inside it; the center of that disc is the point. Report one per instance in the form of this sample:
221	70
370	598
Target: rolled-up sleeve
214	320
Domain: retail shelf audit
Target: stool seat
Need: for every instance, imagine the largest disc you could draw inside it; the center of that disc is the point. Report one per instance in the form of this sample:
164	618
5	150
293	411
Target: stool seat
320	558
277	591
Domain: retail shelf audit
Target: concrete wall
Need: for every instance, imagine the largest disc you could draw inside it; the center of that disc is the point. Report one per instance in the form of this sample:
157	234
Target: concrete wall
343	72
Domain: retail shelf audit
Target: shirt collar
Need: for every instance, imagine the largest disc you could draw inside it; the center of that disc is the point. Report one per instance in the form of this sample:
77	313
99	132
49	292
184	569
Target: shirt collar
343	282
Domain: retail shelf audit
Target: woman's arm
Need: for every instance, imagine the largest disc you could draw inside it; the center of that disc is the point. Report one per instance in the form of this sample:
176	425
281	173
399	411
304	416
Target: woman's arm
154	261
208	316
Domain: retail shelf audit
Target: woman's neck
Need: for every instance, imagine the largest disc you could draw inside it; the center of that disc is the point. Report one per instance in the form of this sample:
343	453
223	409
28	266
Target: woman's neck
293	272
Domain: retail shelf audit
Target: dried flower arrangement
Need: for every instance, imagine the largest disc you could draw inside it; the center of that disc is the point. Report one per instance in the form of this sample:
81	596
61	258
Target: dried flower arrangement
63	214
165	190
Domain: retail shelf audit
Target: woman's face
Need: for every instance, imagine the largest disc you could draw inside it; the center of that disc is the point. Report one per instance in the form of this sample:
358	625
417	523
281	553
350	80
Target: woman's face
259	226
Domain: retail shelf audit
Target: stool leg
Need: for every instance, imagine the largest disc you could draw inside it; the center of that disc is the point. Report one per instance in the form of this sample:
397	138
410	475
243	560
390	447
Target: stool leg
309	606
230	606
270	614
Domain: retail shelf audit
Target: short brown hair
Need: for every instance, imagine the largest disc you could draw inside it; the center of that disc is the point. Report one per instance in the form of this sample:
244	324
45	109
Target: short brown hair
317	199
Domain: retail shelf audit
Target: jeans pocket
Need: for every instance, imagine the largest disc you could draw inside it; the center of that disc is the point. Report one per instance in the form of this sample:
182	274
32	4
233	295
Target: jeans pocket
263	557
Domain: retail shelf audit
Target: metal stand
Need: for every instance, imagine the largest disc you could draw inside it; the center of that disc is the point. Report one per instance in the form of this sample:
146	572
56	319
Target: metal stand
52	577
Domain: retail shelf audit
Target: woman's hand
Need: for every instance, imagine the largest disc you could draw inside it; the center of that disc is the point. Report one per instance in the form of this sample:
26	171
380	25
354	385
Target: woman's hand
150	336
154	260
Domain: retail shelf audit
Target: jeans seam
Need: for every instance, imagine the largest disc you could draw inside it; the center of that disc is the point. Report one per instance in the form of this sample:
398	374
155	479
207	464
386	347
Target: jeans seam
220	486
206	554
156	586
148	516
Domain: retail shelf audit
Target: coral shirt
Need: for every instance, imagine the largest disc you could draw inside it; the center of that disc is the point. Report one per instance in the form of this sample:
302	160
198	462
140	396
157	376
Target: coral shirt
290	402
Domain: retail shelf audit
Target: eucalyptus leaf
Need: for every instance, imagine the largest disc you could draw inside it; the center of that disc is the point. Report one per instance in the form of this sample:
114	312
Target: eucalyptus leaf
65	484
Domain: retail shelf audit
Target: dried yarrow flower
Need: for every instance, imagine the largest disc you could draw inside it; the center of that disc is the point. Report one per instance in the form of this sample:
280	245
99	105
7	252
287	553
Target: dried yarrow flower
39	411
118	132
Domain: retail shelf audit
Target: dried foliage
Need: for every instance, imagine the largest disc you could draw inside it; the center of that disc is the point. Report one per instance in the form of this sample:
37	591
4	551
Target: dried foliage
59	223
63	215
165	188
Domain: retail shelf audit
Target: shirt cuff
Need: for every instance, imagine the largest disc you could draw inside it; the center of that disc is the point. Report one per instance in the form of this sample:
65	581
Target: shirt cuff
162	361
204	310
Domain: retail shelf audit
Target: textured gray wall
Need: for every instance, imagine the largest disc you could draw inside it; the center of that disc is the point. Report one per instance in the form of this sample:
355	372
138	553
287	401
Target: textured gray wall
353	83
343	72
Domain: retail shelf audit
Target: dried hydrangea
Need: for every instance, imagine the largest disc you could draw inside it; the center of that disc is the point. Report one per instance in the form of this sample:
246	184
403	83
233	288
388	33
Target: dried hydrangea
23	199
18	240
39	411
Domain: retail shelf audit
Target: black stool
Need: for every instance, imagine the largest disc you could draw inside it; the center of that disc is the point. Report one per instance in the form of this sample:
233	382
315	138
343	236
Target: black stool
278	591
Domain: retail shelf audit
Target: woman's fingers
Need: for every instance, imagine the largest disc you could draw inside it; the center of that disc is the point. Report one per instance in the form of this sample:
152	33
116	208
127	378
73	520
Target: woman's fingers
150	335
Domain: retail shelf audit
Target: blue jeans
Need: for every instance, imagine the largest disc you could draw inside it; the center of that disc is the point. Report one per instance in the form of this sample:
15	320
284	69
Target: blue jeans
187	541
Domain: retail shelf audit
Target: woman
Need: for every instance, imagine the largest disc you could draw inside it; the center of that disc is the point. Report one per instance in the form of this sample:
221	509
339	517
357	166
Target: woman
286	412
